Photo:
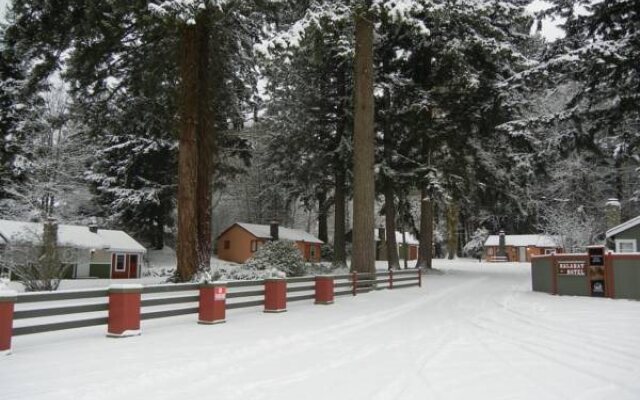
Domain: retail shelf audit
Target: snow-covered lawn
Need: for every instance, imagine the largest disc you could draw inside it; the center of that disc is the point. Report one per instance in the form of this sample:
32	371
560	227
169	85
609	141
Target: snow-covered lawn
475	332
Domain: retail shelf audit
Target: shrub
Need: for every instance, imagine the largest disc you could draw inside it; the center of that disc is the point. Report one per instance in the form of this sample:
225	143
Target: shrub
283	255
326	252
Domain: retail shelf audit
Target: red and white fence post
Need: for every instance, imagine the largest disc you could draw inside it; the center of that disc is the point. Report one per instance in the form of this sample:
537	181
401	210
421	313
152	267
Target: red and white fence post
275	295
213	303
124	310
324	289
7	300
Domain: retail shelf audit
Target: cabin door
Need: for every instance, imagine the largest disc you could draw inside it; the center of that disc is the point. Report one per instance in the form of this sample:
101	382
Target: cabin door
133	266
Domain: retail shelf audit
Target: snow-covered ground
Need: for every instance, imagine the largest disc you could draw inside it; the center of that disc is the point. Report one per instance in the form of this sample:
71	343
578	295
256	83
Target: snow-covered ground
474	332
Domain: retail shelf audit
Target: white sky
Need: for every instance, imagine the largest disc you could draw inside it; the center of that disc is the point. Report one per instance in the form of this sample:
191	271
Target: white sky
550	29
3	6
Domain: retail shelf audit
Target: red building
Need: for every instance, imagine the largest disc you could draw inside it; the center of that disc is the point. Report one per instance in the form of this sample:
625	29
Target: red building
239	241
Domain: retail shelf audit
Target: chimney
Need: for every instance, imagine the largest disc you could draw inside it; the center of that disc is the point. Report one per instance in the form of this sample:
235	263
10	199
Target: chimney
93	228
502	244
612	213
274	230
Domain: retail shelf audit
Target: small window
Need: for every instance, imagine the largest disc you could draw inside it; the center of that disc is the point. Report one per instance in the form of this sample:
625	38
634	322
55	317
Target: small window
120	266
549	251
254	245
227	244
626	246
313	252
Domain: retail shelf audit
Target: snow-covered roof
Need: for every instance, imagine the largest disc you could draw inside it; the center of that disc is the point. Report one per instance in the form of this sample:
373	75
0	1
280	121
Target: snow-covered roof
623	226
410	238
264	232
71	236
523	240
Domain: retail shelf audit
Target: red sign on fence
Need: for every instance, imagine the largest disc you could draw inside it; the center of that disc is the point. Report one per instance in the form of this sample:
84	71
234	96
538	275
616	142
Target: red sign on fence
220	293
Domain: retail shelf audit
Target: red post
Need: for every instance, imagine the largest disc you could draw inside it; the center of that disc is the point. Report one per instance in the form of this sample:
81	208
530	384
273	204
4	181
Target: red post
324	289
354	280
213	303
390	279
124	310
419	277
7	300
275	295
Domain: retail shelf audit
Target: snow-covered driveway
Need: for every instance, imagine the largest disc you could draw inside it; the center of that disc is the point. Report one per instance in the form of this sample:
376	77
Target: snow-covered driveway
475	332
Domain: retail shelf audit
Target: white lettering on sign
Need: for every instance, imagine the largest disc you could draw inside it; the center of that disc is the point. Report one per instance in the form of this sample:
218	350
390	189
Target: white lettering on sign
220	293
573	268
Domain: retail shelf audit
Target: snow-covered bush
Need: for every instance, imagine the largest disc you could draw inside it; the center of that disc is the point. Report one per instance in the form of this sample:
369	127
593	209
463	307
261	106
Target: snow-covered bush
474	247
237	273
283	255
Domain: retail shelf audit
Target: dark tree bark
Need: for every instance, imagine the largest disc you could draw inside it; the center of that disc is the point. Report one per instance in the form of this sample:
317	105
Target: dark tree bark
425	251
186	247
452	234
205	137
158	232
363	258
393	260
390	225
323	211
339	201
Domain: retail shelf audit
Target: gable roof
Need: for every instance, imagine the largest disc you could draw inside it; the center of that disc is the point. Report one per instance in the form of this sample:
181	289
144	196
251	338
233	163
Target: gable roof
70	236
523	240
623	226
264	232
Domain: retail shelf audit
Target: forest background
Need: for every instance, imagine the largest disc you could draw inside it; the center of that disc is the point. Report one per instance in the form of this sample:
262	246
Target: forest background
479	125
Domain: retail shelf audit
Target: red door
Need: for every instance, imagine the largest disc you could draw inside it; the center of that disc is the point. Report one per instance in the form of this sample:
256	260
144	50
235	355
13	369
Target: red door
133	266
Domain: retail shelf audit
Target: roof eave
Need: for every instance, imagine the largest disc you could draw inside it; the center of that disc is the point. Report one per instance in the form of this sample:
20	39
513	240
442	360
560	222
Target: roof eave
633	222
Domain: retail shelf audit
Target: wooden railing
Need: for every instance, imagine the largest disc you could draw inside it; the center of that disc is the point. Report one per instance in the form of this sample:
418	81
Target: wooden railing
104	307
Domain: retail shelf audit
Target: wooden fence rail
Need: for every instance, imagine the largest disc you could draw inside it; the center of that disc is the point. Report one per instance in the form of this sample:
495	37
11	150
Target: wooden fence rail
122	307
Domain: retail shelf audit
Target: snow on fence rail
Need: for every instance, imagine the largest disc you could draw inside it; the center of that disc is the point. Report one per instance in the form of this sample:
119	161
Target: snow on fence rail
122	307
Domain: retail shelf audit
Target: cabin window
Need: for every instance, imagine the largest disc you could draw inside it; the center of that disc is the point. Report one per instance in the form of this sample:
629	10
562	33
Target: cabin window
549	251
254	245
120	266
312	252
227	244
625	246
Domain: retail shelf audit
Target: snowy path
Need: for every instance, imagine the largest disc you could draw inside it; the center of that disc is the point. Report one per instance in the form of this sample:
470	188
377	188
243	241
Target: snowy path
476	332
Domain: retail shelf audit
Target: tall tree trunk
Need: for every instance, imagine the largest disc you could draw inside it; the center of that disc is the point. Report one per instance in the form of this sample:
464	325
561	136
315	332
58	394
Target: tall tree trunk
363	259
390	226
323	232
425	251
186	247
206	141
158	231
389	192
339	201
405	247
339	226
452	226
